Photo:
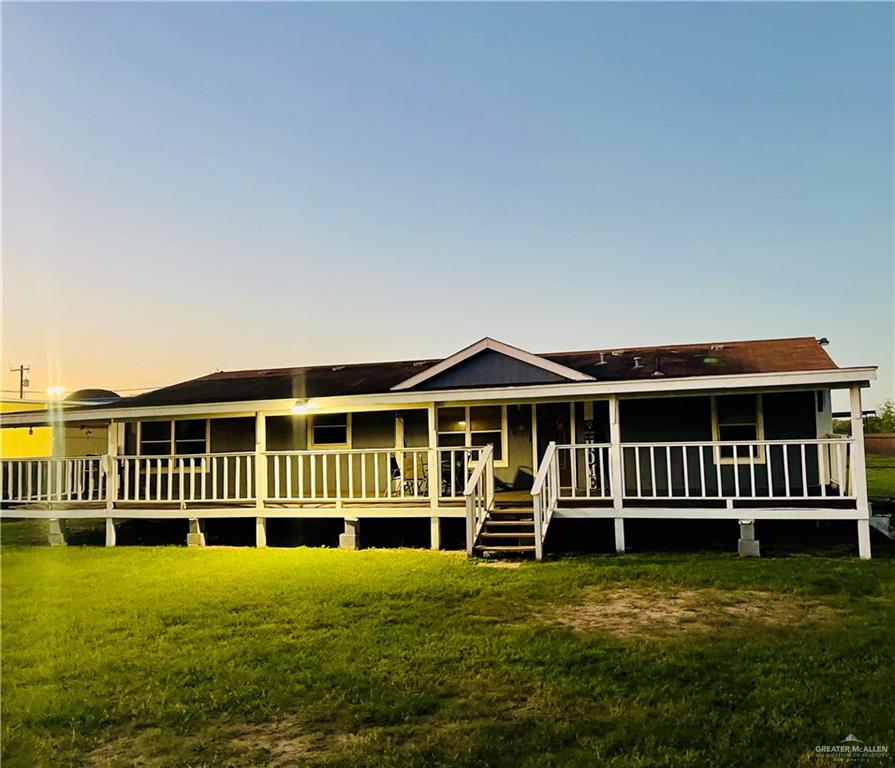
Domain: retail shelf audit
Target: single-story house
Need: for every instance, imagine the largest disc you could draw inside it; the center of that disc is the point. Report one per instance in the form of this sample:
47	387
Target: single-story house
507	439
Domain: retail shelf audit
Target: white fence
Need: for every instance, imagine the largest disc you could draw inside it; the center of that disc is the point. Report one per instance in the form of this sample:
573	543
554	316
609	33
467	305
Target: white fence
756	469
48	480
208	477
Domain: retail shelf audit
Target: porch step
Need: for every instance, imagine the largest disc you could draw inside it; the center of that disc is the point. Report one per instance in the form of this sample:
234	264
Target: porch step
518	523
514	549
508	530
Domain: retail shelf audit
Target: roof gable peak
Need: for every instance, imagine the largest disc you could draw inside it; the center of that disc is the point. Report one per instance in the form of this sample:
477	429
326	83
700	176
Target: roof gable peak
499	347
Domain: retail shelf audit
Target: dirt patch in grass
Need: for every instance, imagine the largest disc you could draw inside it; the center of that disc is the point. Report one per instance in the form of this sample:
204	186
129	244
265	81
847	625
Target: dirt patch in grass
638	612
285	742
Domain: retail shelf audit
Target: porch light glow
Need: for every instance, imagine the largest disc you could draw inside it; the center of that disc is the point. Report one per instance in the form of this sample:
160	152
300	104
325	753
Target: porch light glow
303	406
56	390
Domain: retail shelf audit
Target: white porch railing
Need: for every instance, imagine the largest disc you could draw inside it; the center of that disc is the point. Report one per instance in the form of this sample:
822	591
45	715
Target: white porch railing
348	475
369	474
455	467
742	470
207	477
48	480
583	471
544	492
479	496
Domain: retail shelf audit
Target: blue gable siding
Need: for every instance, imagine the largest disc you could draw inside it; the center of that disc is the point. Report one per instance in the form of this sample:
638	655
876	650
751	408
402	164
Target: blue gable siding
490	369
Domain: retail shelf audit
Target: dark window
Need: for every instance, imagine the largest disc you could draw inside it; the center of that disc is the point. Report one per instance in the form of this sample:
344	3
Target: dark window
189	436
155	438
330	429
485	427
738	421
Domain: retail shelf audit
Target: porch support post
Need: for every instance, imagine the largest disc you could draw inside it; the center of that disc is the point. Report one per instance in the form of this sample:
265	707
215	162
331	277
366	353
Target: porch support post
433	482
747	546
114	439
615	471
260	478
195	537
110	532
56	537
859	472
351	538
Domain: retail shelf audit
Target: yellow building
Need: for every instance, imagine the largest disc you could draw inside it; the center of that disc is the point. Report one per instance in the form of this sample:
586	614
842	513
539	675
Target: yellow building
80	440
24	441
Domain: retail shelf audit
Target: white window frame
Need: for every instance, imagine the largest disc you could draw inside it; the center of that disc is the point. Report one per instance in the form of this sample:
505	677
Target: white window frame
312	445
468	432
758	457
172	440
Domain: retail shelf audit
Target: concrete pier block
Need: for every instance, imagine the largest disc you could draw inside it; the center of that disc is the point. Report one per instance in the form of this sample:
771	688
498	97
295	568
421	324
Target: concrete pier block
56	537
195	537
110	532
260	531
747	546
435	533
351	538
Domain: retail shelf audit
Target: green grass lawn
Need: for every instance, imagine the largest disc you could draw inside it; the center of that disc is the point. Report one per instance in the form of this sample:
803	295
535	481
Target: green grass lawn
881	476
166	656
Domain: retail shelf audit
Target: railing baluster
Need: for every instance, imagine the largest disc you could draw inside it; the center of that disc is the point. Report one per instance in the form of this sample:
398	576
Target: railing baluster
841	457
668	470
786	469
350	475
736	472
703	492
686	472
338	463
638	487
804	471
752	469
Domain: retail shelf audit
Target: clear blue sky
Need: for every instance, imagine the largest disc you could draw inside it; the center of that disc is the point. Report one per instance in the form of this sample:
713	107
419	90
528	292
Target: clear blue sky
191	187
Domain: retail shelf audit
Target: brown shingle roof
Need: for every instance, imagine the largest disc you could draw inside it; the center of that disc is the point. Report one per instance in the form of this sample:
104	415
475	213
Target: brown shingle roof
672	360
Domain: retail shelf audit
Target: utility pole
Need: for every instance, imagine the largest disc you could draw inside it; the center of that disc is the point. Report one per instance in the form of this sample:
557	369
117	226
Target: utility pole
23	382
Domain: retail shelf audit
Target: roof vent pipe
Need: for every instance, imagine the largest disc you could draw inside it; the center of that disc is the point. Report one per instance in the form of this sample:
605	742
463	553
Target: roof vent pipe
638	361
602	360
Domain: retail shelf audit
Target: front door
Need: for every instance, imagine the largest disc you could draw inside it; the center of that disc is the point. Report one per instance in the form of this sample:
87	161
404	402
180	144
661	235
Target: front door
554	426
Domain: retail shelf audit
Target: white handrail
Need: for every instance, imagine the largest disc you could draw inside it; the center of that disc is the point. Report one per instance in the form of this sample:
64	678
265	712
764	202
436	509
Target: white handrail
479	496
544	496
